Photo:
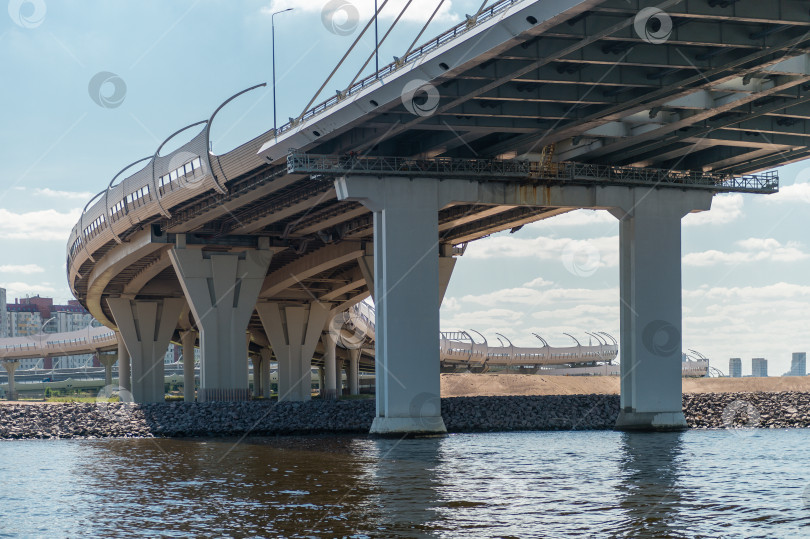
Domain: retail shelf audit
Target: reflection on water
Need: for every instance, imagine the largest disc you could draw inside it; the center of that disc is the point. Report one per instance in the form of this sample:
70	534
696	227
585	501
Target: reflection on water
548	484
404	472
649	491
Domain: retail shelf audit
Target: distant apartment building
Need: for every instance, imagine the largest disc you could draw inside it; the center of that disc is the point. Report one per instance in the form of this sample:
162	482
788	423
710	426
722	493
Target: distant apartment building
759	367
35	315
735	367
22	320
173	354
798	364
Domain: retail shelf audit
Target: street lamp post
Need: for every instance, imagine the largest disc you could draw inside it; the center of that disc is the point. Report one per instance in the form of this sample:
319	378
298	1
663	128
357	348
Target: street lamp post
376	38
273	39
42	336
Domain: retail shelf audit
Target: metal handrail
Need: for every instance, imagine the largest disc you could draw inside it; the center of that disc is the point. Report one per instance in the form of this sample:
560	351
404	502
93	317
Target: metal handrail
429	46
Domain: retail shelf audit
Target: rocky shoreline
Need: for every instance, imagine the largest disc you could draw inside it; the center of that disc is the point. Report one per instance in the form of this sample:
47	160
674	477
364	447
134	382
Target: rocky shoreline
461	414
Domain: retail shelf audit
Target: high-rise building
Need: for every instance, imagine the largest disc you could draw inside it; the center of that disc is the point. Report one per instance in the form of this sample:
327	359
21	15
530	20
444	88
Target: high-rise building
759	367
22	320
798	364
735	367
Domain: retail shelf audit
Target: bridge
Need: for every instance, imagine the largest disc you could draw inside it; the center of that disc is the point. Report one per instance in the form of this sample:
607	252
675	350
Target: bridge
527	110
353	329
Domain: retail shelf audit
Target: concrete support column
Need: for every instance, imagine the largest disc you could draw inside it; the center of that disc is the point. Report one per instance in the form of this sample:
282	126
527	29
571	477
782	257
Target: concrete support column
321	380
257	375
188	338
406	295
108	360
266	354
354	371
11	366
329	366
124	372
650	311
339	378
146	327
294	330
221	289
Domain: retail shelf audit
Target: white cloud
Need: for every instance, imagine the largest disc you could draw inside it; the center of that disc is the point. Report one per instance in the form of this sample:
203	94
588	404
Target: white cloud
772	293
42	225
21	268
550	296
482	319
752	250
450	304
538	283
70	195
418	11
725	209
798	192
768	321
20	290
600	252
581	217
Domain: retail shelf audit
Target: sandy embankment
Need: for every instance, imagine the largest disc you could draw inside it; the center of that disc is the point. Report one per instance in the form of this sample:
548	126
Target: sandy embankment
472	385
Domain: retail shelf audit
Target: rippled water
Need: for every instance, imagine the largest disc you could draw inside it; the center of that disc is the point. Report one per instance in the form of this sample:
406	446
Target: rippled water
545	484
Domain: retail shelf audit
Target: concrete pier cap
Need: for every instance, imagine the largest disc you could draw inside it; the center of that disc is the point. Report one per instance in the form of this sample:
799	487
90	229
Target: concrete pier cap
407	290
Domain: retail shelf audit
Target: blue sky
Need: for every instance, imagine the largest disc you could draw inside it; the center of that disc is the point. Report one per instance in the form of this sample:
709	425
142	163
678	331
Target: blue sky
746	285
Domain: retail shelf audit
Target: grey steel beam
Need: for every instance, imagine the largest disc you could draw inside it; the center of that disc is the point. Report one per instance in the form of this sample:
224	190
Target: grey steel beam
748	111
701	81
776	12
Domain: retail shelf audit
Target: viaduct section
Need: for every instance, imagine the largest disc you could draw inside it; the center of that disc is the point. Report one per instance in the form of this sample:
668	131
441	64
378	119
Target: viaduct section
527	110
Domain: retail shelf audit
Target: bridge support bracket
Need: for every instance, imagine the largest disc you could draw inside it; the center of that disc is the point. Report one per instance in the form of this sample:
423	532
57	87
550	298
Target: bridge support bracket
221	289
294	330
146	327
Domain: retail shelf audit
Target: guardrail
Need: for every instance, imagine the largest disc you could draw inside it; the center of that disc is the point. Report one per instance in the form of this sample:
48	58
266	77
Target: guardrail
68	343
518	169
460	348
440	40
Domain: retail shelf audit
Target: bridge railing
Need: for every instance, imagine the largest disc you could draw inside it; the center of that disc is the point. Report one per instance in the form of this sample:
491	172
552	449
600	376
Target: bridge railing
67	343
518	169
447	36
459	348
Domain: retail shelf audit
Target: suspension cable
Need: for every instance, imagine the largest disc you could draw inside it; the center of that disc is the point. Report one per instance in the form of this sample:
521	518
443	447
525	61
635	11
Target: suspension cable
480	9
401	13
332	74
405	57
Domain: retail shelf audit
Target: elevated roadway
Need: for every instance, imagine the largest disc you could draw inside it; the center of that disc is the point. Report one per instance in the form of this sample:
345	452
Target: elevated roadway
527	110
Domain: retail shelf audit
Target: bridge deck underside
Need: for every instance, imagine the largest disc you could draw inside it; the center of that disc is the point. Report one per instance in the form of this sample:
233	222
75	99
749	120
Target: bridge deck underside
715	94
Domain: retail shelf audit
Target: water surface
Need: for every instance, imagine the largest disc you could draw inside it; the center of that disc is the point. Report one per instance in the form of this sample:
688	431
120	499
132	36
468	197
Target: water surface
529	484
